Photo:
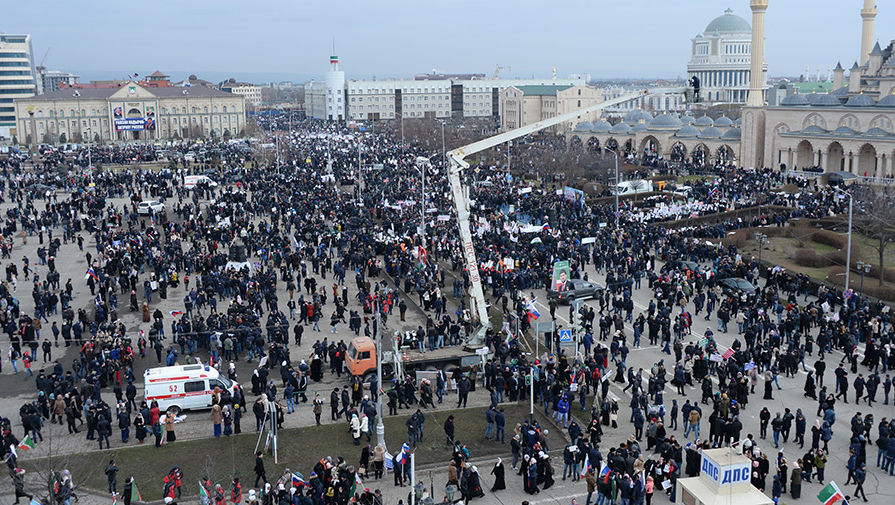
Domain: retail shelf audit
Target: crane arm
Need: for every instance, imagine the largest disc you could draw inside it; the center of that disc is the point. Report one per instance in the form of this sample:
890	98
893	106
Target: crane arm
457	155
457	163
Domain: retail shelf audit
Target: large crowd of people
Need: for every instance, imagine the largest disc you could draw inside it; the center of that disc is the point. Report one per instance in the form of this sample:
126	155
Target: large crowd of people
299	224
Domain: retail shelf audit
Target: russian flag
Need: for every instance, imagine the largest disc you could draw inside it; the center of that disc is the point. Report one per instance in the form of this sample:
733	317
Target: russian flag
297	481
532	310
405	453
604	472
176	313
586	467
91	273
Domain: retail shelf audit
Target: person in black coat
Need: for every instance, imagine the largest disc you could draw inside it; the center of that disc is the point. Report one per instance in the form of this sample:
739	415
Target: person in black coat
498	473
449	429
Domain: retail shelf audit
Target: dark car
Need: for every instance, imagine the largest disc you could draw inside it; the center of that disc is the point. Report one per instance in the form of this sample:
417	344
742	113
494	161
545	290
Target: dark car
736	285
579	289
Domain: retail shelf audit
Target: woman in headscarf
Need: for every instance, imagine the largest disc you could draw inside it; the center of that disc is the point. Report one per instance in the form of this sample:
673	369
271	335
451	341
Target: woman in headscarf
548	470
474	484
498	473
355	429
530	467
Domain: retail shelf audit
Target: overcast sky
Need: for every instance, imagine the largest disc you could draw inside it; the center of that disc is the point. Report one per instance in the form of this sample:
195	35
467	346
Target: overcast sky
398	38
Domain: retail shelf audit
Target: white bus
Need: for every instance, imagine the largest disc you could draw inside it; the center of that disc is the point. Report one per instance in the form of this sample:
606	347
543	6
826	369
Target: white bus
183	387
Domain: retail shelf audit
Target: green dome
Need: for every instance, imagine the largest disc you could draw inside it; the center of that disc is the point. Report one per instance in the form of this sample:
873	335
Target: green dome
728	23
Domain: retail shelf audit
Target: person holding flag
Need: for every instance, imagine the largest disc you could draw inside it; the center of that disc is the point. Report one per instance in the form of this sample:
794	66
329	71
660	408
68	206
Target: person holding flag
831	494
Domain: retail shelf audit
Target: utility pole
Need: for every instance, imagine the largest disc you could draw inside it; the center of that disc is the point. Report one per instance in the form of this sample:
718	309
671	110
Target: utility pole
423	201
360	173
615	155
380	427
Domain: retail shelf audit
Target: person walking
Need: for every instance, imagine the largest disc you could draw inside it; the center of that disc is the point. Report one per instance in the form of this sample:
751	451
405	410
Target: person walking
18	480
860	477
112	476
260	474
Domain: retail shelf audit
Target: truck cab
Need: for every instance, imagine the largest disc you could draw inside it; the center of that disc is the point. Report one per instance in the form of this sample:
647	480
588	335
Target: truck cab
361	357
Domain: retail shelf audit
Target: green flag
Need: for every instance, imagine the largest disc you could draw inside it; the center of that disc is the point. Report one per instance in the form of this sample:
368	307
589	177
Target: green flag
357	484
830	494
27	443
203	492
135	493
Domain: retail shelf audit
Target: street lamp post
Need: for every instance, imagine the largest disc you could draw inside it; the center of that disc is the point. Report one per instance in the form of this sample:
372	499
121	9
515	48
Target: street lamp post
863	268
851	201
615	156
762	239
380	427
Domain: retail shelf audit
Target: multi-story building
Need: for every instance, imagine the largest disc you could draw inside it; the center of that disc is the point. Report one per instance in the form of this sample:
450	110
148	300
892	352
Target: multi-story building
130	111
16	78
52	80
251	92
420	97
720	58
393	98
523	105
659	104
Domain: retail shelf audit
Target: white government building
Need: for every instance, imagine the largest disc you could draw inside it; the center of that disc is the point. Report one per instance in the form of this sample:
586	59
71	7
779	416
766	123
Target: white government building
338	99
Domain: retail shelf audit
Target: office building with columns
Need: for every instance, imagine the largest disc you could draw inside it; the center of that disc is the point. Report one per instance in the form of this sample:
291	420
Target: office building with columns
129	112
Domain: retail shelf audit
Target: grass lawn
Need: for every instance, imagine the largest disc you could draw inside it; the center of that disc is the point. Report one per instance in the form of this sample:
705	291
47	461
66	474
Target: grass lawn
299	449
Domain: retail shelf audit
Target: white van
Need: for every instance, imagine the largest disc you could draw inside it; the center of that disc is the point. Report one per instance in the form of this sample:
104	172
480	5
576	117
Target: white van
190	181
183	387
634	187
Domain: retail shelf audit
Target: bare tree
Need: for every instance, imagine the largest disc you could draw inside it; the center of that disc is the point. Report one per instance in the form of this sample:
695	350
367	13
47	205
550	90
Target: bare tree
874	217
45	474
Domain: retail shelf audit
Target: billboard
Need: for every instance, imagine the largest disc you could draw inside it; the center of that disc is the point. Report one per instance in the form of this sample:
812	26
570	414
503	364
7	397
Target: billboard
560	280
134	124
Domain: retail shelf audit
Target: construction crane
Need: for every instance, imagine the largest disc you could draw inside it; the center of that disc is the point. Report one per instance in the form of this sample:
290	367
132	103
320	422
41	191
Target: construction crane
497	70
457	163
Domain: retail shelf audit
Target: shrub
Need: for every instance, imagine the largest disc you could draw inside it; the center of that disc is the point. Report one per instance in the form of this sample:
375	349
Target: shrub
810	259
831	238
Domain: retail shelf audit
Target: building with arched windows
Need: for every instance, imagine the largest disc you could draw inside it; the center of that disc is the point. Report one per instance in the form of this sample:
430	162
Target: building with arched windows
721	56
851	128
129	112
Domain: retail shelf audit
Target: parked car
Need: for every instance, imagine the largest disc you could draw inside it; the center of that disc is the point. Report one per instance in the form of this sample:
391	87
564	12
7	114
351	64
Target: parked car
737	286
579	289
150	207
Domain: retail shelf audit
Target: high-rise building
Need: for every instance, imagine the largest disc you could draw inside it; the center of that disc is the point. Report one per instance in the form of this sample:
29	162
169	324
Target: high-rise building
53	80
16	78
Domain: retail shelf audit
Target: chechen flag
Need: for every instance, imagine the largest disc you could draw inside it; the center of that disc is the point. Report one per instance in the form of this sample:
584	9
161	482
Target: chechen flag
830	494
728	353
27	443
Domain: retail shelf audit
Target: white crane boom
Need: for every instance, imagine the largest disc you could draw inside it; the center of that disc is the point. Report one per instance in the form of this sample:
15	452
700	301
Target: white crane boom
457	163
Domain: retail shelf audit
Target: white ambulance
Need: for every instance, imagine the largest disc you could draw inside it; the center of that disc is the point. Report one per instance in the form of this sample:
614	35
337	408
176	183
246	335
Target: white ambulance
183	387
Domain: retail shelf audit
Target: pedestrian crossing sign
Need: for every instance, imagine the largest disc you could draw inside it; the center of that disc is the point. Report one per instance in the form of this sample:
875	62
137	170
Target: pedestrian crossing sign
565	335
